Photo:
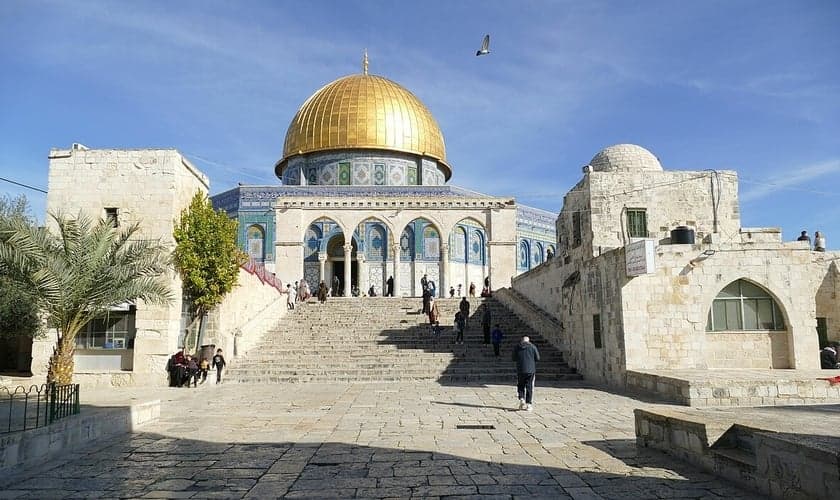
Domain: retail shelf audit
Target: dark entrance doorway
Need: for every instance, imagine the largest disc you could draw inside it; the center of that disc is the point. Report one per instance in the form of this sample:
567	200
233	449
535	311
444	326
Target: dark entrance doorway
338	270
16	355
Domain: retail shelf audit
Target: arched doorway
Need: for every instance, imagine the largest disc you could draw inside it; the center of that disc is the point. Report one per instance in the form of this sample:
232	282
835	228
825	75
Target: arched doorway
339	270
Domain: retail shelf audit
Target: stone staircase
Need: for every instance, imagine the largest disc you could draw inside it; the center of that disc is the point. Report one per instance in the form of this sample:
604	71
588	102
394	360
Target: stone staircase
371	339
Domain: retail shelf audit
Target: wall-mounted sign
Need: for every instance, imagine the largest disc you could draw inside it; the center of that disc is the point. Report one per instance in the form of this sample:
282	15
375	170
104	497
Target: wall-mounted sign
639	258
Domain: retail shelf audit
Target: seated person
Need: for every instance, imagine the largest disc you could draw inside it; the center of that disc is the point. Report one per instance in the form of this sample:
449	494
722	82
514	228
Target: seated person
372	292
830	356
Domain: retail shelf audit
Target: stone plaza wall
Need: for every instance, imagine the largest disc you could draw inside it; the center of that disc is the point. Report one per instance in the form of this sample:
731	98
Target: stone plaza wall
658	321
148	186
247	313
826	277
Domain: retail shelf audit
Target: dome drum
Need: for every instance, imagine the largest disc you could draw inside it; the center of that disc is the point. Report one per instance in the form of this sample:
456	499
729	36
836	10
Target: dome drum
362	168
364	112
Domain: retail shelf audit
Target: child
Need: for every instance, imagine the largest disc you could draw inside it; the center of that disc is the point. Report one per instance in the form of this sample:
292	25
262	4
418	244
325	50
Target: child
218	364
204	367
496	336
192	371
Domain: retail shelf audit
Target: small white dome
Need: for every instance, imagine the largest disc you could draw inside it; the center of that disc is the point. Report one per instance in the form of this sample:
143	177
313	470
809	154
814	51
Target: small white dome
625	158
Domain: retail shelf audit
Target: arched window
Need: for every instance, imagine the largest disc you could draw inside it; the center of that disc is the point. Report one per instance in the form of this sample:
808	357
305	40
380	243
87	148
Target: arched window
476	247
376	243
458	244
431	243
407	245
524	255
311	241
742	305
256	239
537	256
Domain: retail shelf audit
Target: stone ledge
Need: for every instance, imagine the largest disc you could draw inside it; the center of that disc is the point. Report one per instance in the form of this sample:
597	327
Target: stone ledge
21	450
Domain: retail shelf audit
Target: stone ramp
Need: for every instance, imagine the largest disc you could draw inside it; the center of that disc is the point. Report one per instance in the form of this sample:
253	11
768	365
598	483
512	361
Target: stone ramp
735	387
783	452
369	339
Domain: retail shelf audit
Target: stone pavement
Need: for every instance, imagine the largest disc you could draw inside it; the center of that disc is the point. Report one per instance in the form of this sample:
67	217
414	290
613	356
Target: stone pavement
373	441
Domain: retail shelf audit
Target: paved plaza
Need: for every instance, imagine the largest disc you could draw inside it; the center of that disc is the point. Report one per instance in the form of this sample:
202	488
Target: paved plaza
372	441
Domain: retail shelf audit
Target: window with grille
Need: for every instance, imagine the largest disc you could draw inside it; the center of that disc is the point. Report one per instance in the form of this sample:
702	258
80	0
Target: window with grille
637	223
112	216
114	330
576	230
743	306
596	330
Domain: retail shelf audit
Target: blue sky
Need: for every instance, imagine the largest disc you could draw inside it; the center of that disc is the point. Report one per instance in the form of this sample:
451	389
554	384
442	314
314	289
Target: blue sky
752	86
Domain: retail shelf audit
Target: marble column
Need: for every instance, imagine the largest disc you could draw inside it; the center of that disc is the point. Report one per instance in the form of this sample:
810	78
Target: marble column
363	277
322	261
395	251
444	269
348	262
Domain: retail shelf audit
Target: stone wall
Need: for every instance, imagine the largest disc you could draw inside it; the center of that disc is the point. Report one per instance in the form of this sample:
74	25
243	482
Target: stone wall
826	278
658	321
248	312
148	186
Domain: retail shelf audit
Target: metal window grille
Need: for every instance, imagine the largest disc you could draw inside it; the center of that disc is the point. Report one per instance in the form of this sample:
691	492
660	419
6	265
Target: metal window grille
637	223
596	330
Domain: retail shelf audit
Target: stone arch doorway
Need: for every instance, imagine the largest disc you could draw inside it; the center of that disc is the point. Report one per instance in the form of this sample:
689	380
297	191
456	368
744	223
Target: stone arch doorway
342	266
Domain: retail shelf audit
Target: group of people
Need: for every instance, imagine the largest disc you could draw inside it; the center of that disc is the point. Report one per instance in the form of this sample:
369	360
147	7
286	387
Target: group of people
819	240
830	356
185	370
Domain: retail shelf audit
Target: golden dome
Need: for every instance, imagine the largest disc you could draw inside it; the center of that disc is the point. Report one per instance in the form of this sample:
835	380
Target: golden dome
368	112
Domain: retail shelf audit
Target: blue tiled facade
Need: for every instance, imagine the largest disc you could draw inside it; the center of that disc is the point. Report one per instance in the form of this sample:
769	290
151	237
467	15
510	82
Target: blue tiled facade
253	206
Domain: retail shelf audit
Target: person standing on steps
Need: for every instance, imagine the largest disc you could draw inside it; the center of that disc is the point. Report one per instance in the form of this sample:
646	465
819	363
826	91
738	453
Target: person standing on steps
496	336
472	289
460	324
464	307
424	282
335	288
290	297
432	289
322	292
486	321
389	287
219	365
434	312
451	292
427	299
526	356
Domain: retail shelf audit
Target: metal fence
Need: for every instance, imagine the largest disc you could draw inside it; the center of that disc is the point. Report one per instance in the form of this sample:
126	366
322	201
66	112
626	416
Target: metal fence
23	409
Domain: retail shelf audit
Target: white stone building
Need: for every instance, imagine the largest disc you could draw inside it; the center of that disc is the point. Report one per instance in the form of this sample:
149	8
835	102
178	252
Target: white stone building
655	272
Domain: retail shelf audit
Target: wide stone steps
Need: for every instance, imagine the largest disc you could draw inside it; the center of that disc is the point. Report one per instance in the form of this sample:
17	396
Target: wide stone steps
387	339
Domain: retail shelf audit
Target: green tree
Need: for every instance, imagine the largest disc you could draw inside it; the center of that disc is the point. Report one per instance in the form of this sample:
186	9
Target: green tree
206	256
78	272
18	306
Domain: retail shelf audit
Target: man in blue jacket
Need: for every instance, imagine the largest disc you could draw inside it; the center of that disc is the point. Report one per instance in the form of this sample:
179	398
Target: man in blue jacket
526	356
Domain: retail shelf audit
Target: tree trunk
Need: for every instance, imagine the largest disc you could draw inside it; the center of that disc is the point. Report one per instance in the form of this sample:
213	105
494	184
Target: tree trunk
61	365
202	325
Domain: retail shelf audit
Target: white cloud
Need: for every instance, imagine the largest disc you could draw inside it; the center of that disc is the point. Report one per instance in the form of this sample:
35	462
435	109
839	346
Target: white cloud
790	181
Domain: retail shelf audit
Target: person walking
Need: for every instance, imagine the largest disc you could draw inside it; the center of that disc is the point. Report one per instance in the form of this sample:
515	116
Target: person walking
451	292
290	297
427	299
526	356
496	336
219	365
434	312
472	289
424	282
322	292
336	283
460	324
389	287
486	321
819	242
464	307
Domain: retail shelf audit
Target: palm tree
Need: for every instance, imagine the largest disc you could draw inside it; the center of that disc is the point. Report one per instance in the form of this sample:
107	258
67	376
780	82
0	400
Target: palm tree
79	272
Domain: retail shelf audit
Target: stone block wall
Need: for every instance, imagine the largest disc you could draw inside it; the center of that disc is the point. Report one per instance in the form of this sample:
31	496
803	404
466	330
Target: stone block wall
826	281
248	312
148	186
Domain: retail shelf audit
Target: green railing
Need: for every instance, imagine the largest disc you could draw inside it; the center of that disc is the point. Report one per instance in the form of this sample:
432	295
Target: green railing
23	409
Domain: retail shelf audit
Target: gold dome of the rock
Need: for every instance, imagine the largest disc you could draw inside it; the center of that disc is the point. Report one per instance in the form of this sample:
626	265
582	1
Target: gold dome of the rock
367	112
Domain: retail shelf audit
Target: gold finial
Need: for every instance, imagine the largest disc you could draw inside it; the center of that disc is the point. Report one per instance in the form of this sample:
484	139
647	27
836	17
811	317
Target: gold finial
365	63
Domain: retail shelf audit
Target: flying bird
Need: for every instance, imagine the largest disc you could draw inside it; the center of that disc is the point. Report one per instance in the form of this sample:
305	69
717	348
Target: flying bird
485	46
